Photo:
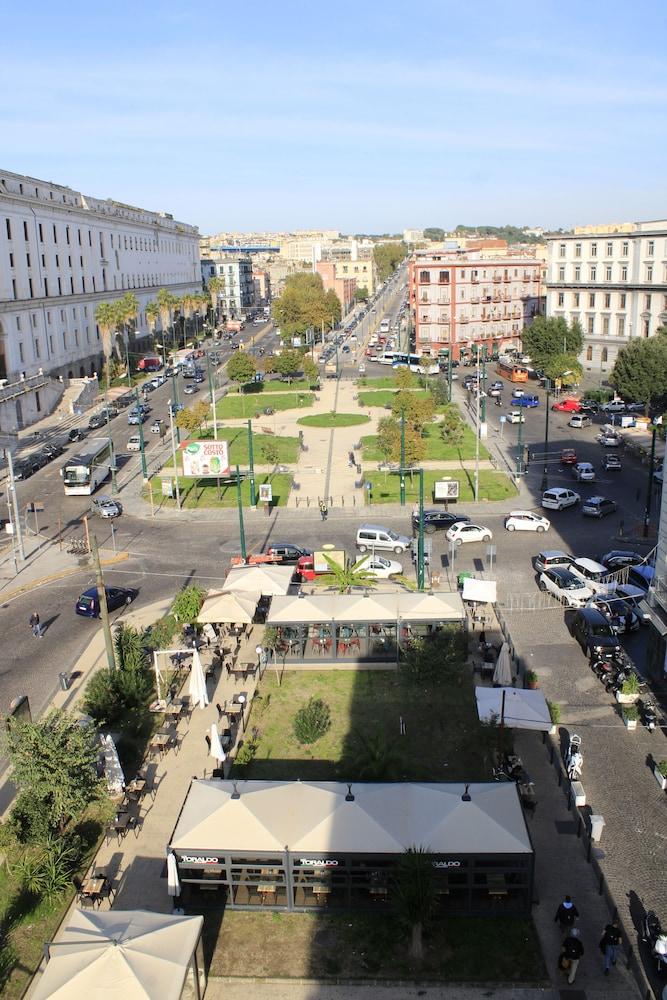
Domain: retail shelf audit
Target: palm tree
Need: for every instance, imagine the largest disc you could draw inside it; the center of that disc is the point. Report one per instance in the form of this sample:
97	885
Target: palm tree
216	288
414	894
350	575
177	313
374	758
165	303
106	317
128	309
152	315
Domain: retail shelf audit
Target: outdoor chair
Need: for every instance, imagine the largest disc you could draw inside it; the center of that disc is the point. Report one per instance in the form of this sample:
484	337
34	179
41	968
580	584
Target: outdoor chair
220	710
208	742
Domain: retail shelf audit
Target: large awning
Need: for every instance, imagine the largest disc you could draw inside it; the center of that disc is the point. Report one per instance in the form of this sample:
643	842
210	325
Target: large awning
479	590
221	606
369	818
341	608
120	955
267	580
522	709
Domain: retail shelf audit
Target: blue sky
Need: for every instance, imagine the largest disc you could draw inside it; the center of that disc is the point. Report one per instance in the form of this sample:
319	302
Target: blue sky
367	117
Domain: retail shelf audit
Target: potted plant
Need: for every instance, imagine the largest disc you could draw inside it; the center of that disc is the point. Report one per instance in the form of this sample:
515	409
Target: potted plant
531	679
630	716
554	714
629	691
660	772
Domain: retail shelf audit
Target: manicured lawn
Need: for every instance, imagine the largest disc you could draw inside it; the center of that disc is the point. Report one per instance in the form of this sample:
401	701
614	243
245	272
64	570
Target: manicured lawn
237	438
442	740
492	485
275	385
248	405
382	397
436	449
334	420
204	492
382	382
358	945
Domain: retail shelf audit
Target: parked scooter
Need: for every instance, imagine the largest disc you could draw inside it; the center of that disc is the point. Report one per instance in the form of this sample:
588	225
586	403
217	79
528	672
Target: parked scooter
648	714
603	669
616	679
574	758
656	939
510	768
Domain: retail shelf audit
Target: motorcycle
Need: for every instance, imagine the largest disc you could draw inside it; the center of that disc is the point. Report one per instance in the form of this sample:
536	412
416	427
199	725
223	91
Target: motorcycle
602	669
510	768
574	758
648	714
616	679
654	936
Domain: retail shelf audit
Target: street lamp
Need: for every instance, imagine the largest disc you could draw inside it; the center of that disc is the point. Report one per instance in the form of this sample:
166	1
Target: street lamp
649	486
646	320
545	470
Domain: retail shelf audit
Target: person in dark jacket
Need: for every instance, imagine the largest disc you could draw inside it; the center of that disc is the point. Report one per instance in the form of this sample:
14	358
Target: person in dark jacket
566	914
571	954
35	626
610	943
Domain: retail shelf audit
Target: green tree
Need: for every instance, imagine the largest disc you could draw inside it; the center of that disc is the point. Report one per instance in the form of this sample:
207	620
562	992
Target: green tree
153	315
361	294
303	304
389	439
565	367
404	379
437	658
310	369
387	258
216	288
434	233
452	427
241	368
128	309
344	578
54	762
188	603
312	721
415	896
640	372
166	303
374	758
288	363
546	338
129	648
192	417
419	410
106	317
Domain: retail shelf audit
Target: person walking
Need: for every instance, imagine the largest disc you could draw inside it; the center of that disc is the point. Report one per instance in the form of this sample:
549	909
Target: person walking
324	510
35	626
610	943
571	954
566	914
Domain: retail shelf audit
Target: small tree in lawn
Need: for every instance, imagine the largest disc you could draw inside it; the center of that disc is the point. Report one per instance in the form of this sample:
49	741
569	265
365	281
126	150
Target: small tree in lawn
310	370
270	451
452	427
388	439
289	363
404	379
414	895
241	368
189	419
187	604
374	757
312	721
344	578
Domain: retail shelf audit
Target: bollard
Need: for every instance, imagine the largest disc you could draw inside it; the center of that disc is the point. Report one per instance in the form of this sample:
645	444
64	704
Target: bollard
64	681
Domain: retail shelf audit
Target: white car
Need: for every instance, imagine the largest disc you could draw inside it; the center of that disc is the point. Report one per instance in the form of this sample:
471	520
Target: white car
379	567
593	575
362	369
609	440
525	520
156	427
134	443
462	532
584	472
558	498
516	417
106	507
564	585
190	390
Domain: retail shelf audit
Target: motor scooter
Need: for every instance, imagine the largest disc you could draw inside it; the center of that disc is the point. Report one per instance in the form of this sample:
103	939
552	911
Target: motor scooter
648	714
574	758
654	936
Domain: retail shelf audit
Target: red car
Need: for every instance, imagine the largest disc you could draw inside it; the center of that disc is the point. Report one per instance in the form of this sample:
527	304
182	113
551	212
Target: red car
568	456
567	406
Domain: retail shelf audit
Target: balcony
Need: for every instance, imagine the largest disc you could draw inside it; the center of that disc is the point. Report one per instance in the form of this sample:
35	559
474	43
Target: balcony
486	319
475	300
507	296
497	297
463	319
506	278
496	279
475	280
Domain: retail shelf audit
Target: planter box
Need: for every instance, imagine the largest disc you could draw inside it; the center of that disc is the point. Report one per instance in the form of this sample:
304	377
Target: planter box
661	779
626	699
630	723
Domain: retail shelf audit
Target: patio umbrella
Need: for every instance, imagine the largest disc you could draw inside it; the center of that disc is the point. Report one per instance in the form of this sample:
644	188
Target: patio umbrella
221	606
502	675
216	746
173	884
513	707
267	580
197	690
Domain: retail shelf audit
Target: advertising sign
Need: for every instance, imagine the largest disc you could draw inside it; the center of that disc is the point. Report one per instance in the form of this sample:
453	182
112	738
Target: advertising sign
205	458
446	489
265	492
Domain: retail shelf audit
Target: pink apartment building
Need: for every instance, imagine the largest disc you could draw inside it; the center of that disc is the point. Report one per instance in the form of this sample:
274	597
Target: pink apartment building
343	287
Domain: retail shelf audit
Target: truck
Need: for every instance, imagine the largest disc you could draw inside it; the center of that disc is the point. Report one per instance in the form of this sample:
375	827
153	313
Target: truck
308	567
234	326
150	363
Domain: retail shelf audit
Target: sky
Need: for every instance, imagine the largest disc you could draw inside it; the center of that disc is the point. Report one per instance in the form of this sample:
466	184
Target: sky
364	117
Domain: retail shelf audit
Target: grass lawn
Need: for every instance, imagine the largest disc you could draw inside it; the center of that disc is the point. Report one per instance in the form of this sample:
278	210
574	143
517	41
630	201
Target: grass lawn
204	492
436	449
275	385
382	397
287	448
334	420
371	945
441	744
382	382
238	405
492	485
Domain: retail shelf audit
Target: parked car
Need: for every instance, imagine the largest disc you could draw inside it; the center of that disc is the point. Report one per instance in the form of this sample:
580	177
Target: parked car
598	507
635	597
380	568
614	406
524	399
550	558
568	588
584	472
620	615
579	421
135	418
567	406
620	558
611	462
589	407
88	604
496	386
23	469
558	498
376	536
526	520
175	408
516	417
156	426
609	440
134	443
189	390
287	552
438	520
593	574
592	631
461	533
53	449
568	456
96	421
106	507
76	434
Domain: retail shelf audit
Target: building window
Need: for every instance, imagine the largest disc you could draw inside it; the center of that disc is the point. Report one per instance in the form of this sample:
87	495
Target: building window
605	324
650	247
13	287
624	273
60	287
607	300
36	343
589	353
604	356
30	288
46	287
591	324
591	300
21	358
625	248
622	300
443	277
610	249
51	342
577	273
25	231
67	234
620	326
561	250
647	302
649	272
607	272
561	274
561	298
9	228
55	233
41	233
594	249
594	272
577	249
424	277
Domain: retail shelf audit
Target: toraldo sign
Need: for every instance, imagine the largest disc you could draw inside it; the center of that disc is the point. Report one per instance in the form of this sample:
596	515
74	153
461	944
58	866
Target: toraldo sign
318	862
189	860
446	864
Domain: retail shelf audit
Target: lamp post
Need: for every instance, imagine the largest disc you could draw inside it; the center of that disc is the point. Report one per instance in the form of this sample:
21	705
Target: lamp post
174	402
142	447
240	506
483	385
545	468
127	364
649	485
173	455
420	532
251	467
519	456
646	320
402	473
477	434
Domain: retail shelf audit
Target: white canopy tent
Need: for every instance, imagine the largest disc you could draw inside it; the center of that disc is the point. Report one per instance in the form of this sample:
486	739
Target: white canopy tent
124	955
343	608
482	591
221	606
269	581
515	707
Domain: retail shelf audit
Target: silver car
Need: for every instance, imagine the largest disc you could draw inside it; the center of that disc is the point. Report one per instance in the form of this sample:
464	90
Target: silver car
106	507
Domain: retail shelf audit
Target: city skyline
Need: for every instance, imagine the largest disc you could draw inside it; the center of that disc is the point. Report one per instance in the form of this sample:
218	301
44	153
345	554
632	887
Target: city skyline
286	122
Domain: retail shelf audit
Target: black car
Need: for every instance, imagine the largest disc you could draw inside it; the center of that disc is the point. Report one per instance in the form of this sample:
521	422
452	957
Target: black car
438	520
23	469
287	552
96	421
53	449
620	558
88	604
76	434
589	407
592	631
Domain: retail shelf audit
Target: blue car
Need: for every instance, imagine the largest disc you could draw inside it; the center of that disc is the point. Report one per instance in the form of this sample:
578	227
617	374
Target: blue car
528	401
88	604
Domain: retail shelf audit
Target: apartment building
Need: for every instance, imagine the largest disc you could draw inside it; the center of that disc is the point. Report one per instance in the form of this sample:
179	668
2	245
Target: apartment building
463	299
612	279
238	297
351	260
343	287
261	280
656	652
62	253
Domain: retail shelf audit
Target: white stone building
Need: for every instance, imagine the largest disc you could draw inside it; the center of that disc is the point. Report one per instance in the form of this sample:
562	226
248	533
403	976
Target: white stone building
613	280
238	298
62	253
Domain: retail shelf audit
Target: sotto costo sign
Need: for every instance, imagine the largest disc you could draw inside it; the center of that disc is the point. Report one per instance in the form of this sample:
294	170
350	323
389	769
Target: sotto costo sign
205	458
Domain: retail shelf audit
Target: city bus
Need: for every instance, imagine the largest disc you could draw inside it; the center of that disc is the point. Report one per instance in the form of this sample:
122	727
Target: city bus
84	472
399	359
510	370
384	326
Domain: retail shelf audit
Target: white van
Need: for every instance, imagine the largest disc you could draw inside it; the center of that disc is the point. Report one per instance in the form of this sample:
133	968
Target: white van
375	536
559	498
579	420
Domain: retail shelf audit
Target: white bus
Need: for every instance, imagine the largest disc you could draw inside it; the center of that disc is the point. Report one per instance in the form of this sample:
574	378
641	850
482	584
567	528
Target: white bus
387	357
84	472
413	361
384	326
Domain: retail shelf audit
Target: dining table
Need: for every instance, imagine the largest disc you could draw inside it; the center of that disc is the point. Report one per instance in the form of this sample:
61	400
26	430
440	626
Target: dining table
93	888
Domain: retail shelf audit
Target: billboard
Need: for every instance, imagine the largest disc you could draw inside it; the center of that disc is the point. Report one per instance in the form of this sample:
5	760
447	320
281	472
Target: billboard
205	458
446	489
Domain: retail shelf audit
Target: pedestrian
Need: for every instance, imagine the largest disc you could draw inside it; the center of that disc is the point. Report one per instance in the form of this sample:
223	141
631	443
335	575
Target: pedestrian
627	621
571	954
609	945
351	461
35	626
482	641
324	510
261	657
566	914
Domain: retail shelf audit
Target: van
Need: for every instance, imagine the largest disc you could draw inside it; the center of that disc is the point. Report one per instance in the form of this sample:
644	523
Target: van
579	420
559	498
375	536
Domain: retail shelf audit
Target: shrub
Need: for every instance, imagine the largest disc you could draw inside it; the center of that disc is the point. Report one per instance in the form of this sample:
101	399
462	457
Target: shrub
630	713
247	752
28	821
554	712
115	697
160	633
129	647
47	872
631	684
312	721
187	604
661	768
439	657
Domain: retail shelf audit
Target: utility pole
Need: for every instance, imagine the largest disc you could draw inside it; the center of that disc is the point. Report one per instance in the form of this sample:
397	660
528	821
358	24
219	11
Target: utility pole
402	472
251	467
449	374
173	455
545	468
211	388
15	506
420	537
240	506
477	434
174	402
649	487
142	444
483	386
519	457
102	598
127	362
